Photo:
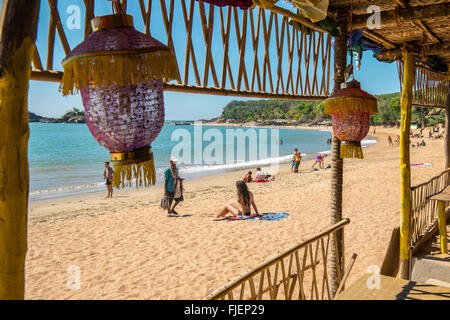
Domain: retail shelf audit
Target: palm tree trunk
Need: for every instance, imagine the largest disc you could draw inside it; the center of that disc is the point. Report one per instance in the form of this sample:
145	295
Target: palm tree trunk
18	26
337	164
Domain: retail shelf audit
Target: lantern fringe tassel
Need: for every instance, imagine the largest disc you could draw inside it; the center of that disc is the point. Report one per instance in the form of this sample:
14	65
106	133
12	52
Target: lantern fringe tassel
143	174
106	68
351	151
343	104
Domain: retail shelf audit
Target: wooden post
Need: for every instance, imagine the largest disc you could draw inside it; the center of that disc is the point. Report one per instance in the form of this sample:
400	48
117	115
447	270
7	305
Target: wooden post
337	164
442	226
18	25
447	130
405	168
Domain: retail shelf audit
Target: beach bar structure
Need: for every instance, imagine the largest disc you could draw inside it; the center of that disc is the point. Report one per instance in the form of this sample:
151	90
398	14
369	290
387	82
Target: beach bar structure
280	54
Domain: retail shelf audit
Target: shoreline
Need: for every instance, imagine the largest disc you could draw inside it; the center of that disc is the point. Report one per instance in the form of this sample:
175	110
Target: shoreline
65	192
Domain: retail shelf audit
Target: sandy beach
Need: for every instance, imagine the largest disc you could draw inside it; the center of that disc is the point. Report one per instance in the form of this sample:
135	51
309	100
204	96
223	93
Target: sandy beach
127	247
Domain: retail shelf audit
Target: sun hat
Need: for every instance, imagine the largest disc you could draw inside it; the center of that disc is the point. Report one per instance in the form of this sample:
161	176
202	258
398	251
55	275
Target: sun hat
173	159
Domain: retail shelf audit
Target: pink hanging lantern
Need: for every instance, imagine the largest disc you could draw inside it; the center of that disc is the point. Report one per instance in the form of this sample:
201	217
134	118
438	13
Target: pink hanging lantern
350	109
120	73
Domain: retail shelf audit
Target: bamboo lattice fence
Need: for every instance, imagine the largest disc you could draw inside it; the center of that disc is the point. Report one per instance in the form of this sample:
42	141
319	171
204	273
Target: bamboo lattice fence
298	273
223	51
424	213
430	88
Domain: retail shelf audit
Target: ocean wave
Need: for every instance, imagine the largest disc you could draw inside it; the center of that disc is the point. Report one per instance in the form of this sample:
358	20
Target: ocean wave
193	171
67	188
235	165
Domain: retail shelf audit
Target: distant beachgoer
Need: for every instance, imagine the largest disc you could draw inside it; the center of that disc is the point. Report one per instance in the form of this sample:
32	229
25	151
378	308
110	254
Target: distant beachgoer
261	176
245	202
374	129
422	144
320	159
173	187
292	164
390	141
281	141
248	177
108	175
297	159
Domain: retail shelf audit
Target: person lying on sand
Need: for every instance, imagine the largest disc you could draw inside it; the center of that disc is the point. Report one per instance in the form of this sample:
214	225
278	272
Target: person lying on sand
245	200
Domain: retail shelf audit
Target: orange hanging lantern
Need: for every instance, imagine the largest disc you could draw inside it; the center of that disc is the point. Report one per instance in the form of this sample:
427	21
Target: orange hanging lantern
350	109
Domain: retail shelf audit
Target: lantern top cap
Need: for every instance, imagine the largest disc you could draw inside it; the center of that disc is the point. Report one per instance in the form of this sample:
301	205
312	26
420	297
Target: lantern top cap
112	21
353	84
351	98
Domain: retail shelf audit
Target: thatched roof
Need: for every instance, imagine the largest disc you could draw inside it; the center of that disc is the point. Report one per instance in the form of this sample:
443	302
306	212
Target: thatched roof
411	21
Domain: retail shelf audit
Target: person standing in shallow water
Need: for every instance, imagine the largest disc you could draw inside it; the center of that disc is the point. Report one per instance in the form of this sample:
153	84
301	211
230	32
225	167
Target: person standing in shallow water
297	159
108	175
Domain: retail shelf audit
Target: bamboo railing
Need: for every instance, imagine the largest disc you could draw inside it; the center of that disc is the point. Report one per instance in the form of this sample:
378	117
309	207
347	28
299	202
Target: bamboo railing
222	51
430	88
298	273
424	213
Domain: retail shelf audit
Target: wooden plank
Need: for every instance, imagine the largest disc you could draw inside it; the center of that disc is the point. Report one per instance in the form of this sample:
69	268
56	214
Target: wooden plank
392	289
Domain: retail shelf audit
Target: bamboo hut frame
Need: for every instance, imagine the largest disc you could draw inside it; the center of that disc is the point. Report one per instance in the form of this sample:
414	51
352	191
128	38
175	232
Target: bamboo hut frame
405	28
260	72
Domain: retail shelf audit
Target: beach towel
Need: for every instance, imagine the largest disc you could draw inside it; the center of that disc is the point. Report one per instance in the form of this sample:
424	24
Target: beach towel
262	181
422	164
267	216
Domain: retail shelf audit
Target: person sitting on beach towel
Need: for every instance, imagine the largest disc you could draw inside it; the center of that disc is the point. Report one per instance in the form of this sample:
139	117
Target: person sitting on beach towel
245	200
248	177
320	159
262	177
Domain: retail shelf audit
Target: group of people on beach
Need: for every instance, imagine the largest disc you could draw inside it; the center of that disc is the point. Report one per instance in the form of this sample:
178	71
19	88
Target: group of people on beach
391	143
261	176
173	187
297	158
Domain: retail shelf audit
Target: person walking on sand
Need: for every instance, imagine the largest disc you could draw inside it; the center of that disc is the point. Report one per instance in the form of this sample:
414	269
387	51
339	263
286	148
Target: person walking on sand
390	141
108	175
173	187
320	160
297	159
245	202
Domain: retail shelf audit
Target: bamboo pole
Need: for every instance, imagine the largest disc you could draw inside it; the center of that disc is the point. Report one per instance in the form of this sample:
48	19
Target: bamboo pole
442	226
17	36
447	130
405	213
337	164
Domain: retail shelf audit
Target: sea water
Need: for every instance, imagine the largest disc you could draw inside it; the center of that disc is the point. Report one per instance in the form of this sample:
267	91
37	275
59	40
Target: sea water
65	160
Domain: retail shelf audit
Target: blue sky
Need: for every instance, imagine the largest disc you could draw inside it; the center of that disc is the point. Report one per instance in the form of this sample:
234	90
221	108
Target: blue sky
46	100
